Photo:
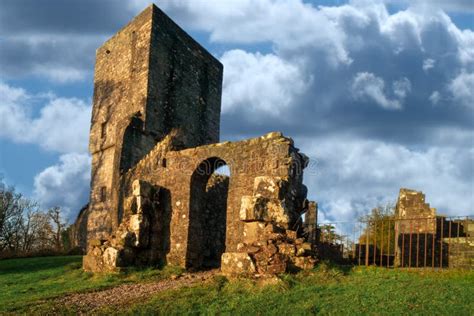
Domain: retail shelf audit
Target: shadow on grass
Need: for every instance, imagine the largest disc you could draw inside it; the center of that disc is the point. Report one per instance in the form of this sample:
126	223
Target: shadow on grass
32	265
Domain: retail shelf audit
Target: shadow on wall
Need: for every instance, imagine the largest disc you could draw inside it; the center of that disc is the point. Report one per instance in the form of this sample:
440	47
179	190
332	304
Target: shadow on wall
207	216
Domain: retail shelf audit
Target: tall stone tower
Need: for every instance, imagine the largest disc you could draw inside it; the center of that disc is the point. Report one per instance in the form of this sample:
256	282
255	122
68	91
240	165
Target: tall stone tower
151	78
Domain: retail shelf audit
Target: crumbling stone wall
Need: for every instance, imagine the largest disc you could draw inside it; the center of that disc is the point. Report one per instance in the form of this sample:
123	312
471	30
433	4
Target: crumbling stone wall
165	205
265	201
272	155
424	238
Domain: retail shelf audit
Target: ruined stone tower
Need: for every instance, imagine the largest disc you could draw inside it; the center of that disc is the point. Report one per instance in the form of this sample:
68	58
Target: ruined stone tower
156	197
151	79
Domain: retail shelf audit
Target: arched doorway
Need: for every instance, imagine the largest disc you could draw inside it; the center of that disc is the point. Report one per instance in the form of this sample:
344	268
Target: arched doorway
207	214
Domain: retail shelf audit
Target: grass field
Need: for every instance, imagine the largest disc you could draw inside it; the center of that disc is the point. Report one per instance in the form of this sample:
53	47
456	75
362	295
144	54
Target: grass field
24	282
326	290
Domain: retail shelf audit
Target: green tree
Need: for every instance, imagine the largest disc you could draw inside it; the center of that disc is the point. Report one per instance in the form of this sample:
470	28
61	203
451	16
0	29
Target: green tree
380	228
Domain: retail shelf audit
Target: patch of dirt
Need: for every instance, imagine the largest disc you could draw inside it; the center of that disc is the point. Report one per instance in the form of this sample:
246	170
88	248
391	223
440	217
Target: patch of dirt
127	294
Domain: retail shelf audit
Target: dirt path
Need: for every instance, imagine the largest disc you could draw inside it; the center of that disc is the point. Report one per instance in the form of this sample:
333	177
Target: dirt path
128	293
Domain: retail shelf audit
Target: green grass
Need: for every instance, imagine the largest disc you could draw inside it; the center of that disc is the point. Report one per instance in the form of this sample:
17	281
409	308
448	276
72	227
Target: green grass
327	290
24	282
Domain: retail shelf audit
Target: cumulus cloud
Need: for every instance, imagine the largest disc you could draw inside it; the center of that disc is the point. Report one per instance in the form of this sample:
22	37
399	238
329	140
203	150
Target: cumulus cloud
56	124
56	43
352	176
370	87
61	124
259	83
462	88
65	184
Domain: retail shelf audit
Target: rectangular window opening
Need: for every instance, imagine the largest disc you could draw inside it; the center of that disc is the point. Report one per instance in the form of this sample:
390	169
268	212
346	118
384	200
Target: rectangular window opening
103	194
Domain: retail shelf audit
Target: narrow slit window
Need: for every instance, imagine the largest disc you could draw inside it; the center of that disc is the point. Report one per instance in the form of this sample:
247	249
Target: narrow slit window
103	130
103	194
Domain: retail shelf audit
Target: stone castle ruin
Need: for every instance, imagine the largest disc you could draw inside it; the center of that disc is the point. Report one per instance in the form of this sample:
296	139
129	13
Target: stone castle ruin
424	238
156	197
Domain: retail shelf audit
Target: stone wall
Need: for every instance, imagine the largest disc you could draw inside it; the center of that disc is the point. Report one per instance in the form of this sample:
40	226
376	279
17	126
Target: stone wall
271	155
424	238
264	202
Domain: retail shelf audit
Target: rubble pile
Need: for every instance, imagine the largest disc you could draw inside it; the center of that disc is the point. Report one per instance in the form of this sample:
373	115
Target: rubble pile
269	245
132	235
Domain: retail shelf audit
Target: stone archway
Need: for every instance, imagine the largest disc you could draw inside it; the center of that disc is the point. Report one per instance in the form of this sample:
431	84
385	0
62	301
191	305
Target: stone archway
207	215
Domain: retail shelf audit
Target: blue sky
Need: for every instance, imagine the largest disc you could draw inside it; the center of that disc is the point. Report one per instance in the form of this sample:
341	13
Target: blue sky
379	94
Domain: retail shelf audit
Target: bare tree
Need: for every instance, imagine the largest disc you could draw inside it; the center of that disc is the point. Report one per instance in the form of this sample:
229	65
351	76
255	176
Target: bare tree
37	231
11	218
24	228
58	227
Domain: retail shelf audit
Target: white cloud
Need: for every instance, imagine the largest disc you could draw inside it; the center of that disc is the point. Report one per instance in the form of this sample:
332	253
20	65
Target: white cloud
65	184
435	97
290	25
353	175
60	74
367	86
259	83
62	124
428	64
462	88
401	88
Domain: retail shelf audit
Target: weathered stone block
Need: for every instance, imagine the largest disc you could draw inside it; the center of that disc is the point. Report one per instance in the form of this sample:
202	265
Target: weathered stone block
305	263
111	258
287	249
278	213
253	232
269	187
253	208
92	262
304	248
237	263
291	234
270	249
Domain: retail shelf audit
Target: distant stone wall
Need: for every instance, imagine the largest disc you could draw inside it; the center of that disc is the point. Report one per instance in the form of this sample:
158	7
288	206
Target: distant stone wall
424	238
79	229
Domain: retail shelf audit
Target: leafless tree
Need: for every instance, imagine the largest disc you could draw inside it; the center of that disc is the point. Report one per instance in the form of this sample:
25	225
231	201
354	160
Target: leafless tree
58	226
11	218
24	228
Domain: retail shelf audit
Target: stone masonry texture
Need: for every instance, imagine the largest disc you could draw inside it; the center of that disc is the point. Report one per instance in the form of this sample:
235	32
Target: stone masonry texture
157	195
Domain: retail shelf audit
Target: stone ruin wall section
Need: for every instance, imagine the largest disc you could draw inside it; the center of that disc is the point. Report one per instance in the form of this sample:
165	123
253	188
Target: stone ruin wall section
185	85
120	89
151	78
269	155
